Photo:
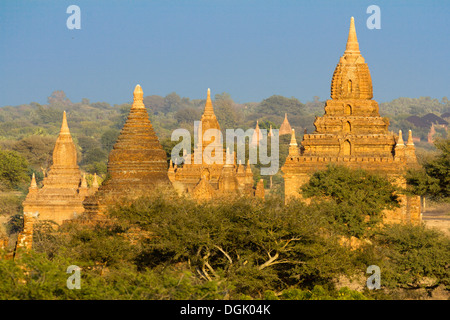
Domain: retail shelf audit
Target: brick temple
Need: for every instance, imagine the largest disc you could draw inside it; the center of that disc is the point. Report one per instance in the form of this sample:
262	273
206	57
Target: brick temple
137	164
207	179
352	133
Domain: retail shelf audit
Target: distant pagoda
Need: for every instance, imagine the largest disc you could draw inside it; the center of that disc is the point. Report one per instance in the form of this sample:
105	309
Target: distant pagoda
352	133
285	127
137	163
205	179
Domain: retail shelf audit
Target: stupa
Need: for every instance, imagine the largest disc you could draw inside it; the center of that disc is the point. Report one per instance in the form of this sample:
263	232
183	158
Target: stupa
285	127
137	164
352	133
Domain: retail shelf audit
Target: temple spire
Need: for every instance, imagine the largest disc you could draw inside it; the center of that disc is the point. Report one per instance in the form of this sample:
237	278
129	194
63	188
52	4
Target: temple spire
293	140
285	127
293	146
208	105
400	138
33	184
410	141
64	126
95	182
352	41
84	182
138	97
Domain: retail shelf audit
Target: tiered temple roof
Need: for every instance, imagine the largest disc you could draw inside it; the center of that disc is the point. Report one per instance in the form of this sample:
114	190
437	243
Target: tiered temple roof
351	132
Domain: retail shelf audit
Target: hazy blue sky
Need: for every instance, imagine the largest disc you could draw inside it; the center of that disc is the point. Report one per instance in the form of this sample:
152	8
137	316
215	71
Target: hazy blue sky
250	49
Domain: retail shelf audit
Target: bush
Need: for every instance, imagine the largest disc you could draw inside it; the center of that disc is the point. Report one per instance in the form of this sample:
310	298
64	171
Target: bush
412	254
352	199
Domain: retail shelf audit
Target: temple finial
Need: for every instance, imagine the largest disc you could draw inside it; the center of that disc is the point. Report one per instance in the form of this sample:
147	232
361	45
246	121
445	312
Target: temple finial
400	138
138	97
64	126
33	184
83	181
208	105
293	147
352	41
410	141
293	140
95	182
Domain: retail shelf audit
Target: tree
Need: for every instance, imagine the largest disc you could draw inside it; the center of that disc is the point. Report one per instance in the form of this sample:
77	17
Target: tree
154	103
172	102
254	245
187	115
109	138
434	179
59	99
36	149
352	198
279	105
13	169
412	253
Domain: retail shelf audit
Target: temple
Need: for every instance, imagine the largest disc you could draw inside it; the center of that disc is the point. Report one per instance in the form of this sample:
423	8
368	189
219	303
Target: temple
64	188
210	175
285	127
137	164
352	133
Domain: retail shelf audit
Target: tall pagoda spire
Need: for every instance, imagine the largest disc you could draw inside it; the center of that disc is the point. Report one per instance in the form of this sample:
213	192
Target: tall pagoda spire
64	125
352	41
208	121
208	105
351	78
64	153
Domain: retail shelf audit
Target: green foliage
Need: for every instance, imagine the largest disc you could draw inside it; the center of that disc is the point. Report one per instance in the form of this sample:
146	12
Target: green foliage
317	293
10	204
434	179
413	256
36	149
279	105
253	245
109	138
414	106
13	169
351	198
188	115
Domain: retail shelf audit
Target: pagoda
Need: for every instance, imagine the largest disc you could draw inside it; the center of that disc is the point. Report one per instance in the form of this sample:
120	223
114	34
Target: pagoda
64	188
209	176
352	133
137	164
285	127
